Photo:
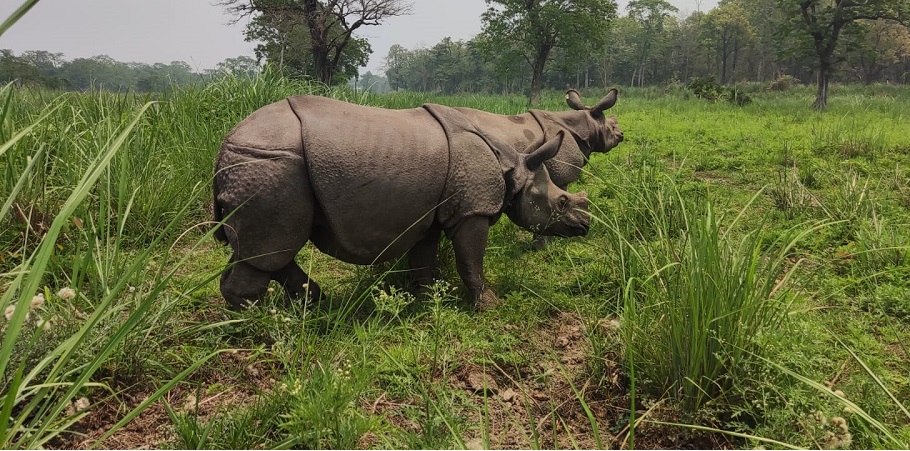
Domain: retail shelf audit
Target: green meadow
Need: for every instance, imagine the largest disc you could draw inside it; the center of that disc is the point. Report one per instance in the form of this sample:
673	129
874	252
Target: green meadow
746	283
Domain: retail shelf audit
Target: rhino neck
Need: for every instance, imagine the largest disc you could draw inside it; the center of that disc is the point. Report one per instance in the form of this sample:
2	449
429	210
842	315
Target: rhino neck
576	123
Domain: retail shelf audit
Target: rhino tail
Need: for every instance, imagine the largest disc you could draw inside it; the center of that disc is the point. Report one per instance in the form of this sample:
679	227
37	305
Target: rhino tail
218	214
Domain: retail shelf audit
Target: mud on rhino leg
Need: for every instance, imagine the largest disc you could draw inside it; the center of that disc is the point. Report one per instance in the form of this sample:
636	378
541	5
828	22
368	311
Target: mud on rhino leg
297	283
470	242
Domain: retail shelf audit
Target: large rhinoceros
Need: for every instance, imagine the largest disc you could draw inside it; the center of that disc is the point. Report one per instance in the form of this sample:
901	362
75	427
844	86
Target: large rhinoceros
367	185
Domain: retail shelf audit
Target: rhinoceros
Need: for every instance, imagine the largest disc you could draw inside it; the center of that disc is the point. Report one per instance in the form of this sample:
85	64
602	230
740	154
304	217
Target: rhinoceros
367	185
589	127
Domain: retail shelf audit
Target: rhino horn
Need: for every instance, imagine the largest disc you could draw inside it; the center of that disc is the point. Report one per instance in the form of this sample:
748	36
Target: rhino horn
574	101
606	103
545	152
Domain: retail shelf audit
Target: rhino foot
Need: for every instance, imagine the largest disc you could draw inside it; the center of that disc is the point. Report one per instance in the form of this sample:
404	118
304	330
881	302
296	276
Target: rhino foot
487	301
540	242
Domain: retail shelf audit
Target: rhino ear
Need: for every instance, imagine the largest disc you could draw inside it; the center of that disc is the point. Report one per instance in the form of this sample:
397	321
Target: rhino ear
606	103
574	101
545	152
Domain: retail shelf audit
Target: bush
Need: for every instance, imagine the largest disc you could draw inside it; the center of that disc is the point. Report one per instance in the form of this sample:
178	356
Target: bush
783	83
705	88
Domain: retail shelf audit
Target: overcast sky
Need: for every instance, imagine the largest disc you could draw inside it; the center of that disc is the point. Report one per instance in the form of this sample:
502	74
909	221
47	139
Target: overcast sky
197	32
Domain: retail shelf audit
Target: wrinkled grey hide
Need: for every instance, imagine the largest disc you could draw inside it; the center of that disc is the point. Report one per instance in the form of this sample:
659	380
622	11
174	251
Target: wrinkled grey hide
367	185
591	131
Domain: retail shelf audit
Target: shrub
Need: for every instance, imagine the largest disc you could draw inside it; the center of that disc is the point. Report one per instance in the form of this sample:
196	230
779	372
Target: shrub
783	83
705	88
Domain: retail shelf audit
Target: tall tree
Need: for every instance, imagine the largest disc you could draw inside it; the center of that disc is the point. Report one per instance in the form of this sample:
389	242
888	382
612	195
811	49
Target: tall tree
534	28
330	23
826	20
727	30
882	45
650	14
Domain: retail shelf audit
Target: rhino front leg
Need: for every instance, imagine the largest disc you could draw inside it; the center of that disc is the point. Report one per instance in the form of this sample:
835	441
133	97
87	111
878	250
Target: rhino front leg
469	240
296	283
422	259
242	284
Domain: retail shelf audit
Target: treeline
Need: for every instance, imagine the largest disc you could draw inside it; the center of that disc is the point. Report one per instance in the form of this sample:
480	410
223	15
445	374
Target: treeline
738	41
51	70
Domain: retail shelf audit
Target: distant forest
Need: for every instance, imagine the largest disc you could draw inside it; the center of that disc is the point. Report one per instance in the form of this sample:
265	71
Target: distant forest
527	45
51	70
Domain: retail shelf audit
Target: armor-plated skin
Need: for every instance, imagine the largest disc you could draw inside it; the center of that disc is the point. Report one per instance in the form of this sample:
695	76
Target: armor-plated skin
367	184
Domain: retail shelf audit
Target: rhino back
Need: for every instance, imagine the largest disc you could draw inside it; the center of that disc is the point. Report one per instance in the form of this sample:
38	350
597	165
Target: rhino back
378	175
518	131
525	131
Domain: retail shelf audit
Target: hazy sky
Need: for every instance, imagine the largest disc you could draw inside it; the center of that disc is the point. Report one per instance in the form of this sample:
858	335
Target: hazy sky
198	32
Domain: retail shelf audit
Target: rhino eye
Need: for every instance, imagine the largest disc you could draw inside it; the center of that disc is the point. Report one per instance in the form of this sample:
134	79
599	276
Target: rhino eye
563	201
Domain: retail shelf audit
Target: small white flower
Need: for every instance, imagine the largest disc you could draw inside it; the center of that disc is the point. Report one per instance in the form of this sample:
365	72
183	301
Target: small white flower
44	324
271	290
66	293
131	289
81	404
37	300
839	393
10	309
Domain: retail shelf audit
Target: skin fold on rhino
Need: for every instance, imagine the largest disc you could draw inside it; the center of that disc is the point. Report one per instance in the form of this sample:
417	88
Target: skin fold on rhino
367	185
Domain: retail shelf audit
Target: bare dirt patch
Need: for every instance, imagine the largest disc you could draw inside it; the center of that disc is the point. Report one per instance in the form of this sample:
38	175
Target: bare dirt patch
215	394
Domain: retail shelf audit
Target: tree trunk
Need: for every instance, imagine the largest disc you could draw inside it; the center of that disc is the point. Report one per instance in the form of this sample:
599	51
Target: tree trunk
824	76
536	82
540	63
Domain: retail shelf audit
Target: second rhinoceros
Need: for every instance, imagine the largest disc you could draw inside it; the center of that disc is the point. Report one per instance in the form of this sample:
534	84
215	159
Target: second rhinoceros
591	131
367	185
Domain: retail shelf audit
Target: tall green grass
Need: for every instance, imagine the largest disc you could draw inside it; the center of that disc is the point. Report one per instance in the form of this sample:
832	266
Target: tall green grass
697	302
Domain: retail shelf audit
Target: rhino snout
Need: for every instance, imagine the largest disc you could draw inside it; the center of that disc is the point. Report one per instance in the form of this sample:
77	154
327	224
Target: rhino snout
580	220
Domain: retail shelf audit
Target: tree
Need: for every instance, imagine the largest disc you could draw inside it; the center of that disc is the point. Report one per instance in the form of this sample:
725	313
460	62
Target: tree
881	45
826	20
239	66
650	14
727	30
534	28
330	24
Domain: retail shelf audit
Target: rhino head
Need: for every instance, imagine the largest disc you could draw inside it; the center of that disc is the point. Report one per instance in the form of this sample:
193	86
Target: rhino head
536	203
605	132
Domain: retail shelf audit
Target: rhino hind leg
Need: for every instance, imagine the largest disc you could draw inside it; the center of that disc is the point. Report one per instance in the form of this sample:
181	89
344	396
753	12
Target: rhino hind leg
269	208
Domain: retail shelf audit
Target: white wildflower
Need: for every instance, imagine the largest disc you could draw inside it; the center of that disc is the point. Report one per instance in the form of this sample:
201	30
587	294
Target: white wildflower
81	404
131	289
44	324
37	300
66	293
271	290
10	309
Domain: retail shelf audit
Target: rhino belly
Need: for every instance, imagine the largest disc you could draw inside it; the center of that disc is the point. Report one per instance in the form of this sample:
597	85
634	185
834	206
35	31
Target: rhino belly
377	174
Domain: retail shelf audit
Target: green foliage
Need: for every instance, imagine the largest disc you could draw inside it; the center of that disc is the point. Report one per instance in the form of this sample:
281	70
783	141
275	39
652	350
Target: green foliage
409	355
534	29
698	307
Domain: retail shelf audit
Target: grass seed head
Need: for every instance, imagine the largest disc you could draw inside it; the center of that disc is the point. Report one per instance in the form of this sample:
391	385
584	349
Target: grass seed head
66	293
37	301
